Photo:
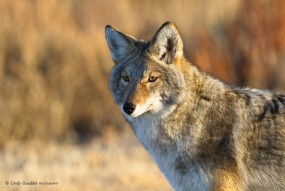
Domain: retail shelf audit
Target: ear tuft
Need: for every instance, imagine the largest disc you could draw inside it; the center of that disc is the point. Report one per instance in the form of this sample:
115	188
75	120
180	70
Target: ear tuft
167	44
119	43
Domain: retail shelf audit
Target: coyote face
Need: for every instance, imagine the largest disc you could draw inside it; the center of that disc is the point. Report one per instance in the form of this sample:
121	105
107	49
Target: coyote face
143	80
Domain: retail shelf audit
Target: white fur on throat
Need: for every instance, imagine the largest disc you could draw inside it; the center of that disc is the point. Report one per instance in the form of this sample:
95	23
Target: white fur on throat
146	128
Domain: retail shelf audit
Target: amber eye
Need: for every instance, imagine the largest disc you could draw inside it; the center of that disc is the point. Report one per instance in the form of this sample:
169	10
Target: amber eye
152	79
126	78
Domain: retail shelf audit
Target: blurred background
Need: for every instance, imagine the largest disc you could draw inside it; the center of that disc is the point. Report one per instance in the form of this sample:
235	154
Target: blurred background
58	121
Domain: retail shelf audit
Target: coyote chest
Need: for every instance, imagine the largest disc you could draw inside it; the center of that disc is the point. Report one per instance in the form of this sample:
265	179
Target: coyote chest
166	154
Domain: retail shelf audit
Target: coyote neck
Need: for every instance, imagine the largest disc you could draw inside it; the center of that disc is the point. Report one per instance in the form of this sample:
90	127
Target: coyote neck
164	135
164	141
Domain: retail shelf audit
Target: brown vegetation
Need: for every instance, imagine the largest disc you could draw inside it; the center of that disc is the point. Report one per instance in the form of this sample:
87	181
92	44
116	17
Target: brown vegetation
54	63
249	50
54	67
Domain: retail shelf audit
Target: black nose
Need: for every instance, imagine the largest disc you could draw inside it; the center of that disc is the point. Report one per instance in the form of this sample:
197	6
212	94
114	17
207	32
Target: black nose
129	108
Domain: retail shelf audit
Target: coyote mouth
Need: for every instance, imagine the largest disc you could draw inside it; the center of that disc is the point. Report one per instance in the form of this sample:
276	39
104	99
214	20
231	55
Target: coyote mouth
150	107
138	112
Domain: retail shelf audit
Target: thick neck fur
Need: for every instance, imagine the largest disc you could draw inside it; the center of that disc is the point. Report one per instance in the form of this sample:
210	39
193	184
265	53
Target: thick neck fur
164	134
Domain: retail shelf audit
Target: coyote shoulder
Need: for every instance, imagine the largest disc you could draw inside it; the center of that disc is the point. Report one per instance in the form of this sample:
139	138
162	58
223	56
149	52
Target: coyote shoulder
202	133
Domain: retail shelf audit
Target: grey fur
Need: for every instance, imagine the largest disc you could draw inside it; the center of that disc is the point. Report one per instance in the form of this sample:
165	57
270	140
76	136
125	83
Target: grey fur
202	133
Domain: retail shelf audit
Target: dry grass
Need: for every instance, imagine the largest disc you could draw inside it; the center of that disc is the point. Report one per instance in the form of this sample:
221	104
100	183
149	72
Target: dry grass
54	67
55	63
249	50
120	164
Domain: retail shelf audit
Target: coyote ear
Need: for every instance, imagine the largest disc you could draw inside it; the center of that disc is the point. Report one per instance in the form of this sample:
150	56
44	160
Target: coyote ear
167	43
119	43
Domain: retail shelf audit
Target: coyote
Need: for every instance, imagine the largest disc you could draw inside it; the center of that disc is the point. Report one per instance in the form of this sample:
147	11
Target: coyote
202	133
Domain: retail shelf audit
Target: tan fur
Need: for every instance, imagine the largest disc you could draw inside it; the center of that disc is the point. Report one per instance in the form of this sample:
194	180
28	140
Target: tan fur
140	95
227	180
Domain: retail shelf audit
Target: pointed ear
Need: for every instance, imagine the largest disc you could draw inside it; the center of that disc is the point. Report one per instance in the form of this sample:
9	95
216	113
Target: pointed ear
120	44
167	44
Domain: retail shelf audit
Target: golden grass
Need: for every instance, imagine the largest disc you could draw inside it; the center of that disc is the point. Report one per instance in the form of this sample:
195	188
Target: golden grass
54	68
55	63
119	163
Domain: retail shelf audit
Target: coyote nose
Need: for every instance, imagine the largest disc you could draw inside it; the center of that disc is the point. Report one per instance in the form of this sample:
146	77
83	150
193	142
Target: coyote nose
129	108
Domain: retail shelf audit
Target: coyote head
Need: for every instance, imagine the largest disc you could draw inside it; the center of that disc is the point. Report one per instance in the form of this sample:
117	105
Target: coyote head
147	76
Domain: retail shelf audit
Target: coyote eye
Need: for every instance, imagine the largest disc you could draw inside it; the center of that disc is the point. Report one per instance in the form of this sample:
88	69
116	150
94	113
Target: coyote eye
152	79
126	78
